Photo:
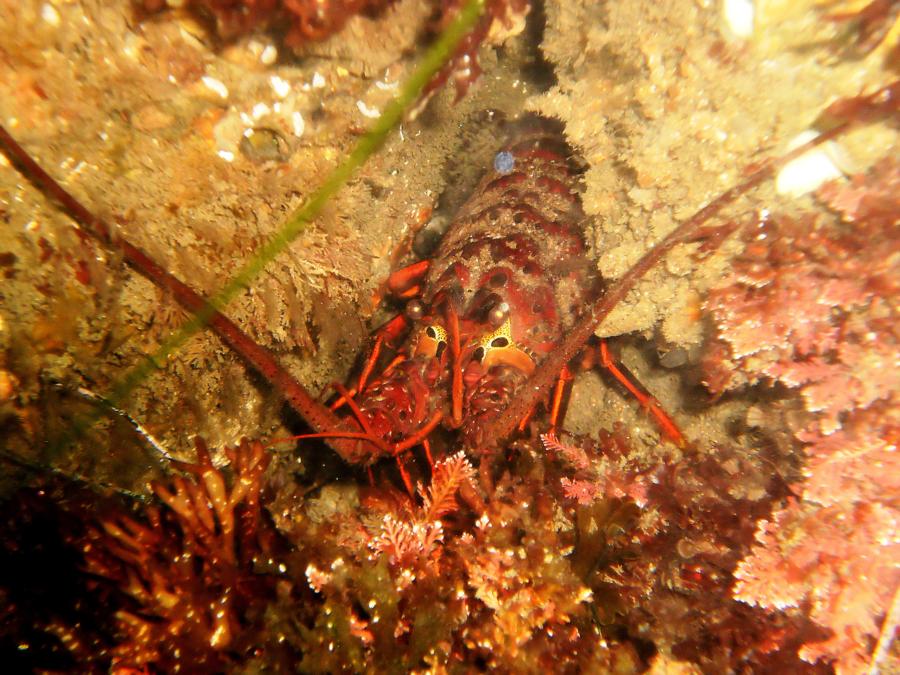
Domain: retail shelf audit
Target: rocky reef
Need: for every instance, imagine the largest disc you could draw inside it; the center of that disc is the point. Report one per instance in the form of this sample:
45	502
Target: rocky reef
160	539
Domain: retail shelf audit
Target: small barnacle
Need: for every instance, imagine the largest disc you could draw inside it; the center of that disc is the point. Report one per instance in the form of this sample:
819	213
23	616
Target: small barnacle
261	144
504	162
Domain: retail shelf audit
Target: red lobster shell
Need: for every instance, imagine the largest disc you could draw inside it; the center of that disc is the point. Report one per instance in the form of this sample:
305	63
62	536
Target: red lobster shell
507	281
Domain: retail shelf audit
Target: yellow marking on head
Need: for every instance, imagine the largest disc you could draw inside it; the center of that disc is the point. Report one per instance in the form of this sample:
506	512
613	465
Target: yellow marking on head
430	340
499	349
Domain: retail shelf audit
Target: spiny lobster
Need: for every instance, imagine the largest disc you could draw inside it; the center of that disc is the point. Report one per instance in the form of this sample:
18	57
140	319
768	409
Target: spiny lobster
509	299
509	279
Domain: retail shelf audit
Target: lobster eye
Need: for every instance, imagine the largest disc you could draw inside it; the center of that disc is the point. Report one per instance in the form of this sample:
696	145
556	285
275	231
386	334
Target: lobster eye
479	354
498	313
499	342
430	332
414	310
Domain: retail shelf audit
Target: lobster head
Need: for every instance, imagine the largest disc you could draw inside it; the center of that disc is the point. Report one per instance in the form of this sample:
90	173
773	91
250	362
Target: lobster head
462	362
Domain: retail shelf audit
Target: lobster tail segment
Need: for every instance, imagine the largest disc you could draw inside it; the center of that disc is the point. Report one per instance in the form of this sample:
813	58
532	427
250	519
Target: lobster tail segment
532	132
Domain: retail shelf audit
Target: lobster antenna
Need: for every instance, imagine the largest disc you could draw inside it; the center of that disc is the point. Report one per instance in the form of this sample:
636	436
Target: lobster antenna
842	116
207	311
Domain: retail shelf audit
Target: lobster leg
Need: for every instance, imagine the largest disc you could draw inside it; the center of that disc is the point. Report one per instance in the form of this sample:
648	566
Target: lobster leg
526	418
559	393
426	444
404	474
628	380
644	397
403	283
369	366
389	331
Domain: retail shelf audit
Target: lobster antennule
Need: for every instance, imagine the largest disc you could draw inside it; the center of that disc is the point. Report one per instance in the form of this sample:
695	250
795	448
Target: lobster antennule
420	436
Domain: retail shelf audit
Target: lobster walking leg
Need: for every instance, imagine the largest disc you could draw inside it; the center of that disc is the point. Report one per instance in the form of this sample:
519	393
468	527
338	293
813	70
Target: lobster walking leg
389	332
645	398
404	283
603	356
559	392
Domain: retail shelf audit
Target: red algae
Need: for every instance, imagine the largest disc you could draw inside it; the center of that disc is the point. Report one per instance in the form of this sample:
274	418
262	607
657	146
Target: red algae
812	306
